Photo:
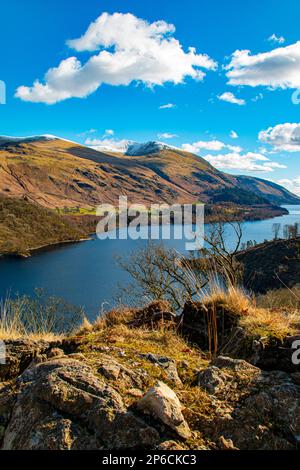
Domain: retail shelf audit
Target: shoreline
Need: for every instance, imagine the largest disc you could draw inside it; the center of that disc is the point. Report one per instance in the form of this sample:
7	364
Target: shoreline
281	211
46	247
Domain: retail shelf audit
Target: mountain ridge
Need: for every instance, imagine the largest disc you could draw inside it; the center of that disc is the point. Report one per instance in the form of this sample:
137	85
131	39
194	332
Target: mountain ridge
57	173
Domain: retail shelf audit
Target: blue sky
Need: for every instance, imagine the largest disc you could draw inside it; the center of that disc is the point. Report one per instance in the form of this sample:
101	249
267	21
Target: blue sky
34	37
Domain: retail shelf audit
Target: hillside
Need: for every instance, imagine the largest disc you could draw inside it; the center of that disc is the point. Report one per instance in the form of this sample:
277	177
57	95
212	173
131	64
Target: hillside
25	226
271	265
56	173
275	193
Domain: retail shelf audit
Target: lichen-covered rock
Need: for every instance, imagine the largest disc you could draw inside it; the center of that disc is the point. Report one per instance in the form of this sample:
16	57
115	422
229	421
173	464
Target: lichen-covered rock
163	404
114	370
211	379
20	353
263	409
224	362
84	411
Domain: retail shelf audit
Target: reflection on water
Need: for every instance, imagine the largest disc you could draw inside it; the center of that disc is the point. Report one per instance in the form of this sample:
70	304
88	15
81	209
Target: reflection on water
87	273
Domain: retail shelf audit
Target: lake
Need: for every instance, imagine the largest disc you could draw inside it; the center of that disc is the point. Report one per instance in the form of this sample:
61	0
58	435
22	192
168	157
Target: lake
88	274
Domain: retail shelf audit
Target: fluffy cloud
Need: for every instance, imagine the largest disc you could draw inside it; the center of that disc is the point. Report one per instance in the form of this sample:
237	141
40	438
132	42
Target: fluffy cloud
231	98
126	49
166	135
233	135
212	145
109	132
249	161
292	185
109	145
279	68
167	106
215	145
282	137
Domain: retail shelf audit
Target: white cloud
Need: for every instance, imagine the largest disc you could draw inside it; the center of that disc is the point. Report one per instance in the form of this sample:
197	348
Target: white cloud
126	49
167	106
109	132
276	39
233	135
249	161
166	135
282	137
215	145
212	145
292	185
231	98
279	68
111	145
234	148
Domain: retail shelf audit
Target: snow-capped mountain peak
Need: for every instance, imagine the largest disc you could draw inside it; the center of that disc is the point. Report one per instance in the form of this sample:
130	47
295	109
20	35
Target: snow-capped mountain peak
135	148
130	147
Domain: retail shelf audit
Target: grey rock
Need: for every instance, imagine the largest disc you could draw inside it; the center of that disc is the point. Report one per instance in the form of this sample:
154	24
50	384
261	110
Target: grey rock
162	403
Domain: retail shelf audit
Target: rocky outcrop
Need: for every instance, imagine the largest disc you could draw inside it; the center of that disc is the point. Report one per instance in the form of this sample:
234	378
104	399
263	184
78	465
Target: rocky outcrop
154	313
199	322
104	396
217	328
62	405
264	414
20	353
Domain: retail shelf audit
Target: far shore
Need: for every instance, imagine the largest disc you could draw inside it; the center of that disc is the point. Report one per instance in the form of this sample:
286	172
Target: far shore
249	214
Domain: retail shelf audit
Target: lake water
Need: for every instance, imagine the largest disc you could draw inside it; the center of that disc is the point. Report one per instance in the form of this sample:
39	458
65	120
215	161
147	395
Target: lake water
88	274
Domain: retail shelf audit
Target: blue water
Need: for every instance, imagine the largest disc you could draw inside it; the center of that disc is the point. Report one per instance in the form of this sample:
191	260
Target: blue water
88	274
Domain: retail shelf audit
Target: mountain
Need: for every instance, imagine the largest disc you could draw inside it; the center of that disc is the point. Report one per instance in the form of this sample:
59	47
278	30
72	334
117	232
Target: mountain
132	148
57	173
275	193
148	148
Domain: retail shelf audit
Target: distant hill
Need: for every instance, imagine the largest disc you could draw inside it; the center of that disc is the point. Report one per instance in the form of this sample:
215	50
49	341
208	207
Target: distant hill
57	173
25	226
275	193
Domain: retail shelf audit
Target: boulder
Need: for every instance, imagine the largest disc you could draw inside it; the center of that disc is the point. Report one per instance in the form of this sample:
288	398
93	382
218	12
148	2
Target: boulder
224	362
19	355
278	354
61	404
196	317
262	409
113	370
211	379
163	404
153	314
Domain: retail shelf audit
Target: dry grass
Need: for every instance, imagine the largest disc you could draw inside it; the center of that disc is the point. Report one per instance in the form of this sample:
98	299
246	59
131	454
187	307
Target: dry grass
39	317
256	319
234	299
281	298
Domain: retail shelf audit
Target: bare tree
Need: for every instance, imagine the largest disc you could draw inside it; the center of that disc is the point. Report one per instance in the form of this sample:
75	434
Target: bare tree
224	241
161	273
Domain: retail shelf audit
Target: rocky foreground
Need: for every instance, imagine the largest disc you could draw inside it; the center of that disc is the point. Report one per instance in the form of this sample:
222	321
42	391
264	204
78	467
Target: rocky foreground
137	380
